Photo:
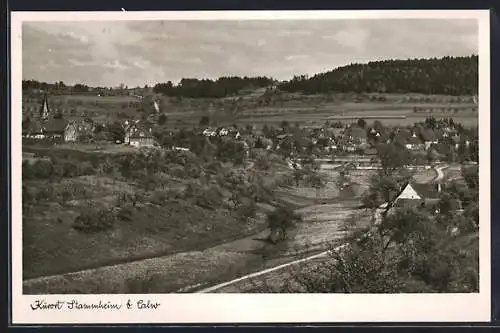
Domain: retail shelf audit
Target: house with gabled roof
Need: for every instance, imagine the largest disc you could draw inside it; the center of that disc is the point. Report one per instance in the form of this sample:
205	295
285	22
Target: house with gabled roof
355	135
413	141
142	138
55	128
33	130
135	131
417	195
428	137
77	130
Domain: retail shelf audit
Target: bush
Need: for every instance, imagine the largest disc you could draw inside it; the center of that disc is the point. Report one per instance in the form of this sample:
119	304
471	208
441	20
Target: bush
210	197
41	169
247	209
125	213
262	162
280	221
95	221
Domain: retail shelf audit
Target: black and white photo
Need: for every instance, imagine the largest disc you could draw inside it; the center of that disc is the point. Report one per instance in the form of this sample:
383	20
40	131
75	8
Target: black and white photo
252	156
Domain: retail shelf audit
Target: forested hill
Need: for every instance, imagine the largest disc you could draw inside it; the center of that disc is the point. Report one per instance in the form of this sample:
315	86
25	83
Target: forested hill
448	75
222	87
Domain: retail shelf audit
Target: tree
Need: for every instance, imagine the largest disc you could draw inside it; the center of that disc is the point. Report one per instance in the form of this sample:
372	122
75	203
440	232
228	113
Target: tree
280	221
204	121
408	252
471	176
361	123
117	132
162	119
392	157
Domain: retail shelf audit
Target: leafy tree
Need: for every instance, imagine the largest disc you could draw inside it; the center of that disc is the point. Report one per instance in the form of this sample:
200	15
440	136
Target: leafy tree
392	157
204	121
407	252
280	221
162	119
361	123
116	132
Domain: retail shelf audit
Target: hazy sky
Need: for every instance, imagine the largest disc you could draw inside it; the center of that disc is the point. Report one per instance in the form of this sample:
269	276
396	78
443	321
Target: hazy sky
148	52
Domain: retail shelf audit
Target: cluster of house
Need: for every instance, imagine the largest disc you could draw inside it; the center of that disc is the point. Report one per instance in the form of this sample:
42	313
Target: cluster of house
222	131
48	127
348	139
353	137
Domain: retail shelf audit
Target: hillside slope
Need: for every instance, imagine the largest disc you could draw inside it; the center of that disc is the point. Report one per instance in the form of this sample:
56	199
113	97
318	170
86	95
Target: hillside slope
448	75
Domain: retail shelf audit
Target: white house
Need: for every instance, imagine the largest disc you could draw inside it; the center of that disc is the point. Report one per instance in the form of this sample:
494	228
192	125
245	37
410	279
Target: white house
209	132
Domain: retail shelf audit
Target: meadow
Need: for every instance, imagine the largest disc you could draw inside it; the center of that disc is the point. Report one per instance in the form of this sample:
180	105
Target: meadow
261	107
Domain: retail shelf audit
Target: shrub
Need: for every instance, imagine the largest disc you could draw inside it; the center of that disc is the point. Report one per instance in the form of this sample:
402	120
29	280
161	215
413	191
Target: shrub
125	213
159	197
262	162
95	221
211	198
247	209
42	169
280	221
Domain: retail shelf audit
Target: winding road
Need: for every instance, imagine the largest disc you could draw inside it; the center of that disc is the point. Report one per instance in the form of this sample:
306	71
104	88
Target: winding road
439	177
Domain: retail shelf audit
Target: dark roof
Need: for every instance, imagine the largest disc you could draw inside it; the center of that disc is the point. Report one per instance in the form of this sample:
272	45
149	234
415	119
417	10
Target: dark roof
427	134
141	134
355	132
371	151
402	135
441	148
55	125
426	191
406	203
33	127
413	138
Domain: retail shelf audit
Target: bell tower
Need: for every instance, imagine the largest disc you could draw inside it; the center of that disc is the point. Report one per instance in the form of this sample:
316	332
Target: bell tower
44	109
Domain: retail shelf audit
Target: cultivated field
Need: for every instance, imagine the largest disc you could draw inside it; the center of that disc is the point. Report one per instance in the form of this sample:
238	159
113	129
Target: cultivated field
392	109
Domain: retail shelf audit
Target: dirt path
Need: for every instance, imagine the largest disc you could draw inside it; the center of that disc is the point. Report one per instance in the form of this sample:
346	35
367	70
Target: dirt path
233	284
439	171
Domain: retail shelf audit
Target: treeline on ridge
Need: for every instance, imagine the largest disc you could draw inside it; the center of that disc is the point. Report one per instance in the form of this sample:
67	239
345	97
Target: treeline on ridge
206	88
447	75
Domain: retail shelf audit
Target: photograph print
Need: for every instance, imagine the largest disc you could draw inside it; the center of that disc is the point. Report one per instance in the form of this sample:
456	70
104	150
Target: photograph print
250	156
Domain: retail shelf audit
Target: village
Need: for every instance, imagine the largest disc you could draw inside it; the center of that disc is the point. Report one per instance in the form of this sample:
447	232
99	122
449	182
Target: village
429	141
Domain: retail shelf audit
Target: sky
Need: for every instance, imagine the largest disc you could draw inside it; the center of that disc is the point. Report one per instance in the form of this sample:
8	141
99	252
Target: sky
135	53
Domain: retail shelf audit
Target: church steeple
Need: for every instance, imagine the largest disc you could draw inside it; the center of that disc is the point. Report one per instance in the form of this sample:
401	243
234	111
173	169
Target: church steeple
44	109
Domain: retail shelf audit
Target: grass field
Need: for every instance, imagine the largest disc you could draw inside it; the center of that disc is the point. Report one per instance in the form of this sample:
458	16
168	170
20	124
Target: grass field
243	110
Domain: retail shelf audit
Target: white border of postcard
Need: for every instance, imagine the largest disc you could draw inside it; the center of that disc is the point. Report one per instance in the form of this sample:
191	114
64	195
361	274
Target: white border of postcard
255	308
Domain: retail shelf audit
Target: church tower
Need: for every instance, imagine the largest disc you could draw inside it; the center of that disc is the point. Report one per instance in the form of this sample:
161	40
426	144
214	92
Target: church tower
44	109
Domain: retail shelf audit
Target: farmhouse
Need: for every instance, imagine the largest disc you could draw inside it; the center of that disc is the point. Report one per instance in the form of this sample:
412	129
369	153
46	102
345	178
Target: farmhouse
209	132
355	135
71	132
428	137
413	142
141	138
417	195
33	130
78	130
137	130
